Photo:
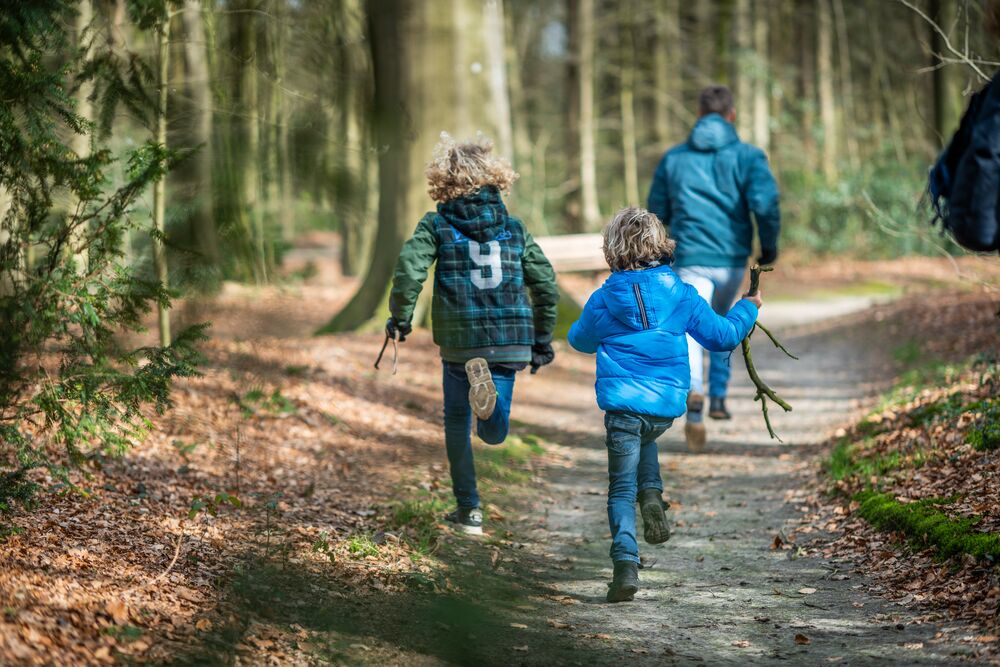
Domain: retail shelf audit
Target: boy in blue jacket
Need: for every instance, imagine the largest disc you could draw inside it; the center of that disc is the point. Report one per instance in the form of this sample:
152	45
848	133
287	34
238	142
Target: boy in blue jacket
636	323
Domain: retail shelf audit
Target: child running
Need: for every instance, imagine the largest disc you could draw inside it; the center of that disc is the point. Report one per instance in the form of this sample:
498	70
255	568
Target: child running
636	324
494	306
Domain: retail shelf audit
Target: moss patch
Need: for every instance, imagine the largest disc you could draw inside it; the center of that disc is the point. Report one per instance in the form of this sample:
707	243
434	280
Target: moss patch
924	524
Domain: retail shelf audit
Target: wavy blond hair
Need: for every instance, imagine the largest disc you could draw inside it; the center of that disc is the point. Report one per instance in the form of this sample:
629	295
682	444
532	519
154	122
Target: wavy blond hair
634	238
462	168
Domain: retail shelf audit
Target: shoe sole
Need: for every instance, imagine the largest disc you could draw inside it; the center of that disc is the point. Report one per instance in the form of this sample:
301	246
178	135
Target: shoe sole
482	391
654	524
623	594
696	436
469	530
722	416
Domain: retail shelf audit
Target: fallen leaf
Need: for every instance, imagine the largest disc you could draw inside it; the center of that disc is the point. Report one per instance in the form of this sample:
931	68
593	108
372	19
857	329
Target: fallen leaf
118	610
807	591
519	626
559	625
914	646
802	639
742	643
522	649
203	624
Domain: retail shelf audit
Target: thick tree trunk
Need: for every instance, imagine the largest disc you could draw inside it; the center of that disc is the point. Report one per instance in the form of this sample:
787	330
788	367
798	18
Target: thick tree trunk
948	100
410	48
588	126
521	137
494	38
668	98
626	102
745	68
824	74
200	96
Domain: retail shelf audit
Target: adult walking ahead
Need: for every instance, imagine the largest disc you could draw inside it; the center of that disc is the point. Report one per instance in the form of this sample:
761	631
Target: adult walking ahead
704	191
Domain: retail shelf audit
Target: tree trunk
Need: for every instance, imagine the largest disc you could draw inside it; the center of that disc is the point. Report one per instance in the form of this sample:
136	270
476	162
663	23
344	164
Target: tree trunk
947	77
523	158
848	116
200	96
571	202
761	80
824	73
807	90
626	101
668	98
80	142
410	42
588	130
159	188
494	39
745	69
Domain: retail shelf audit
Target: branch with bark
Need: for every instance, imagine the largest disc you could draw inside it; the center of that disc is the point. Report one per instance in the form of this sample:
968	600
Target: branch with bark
764	392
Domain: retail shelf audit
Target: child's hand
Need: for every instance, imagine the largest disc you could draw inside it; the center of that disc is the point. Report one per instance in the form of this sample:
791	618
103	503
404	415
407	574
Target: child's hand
755	299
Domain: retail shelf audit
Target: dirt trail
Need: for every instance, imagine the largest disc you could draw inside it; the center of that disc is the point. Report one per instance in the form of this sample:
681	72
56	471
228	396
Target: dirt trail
717	592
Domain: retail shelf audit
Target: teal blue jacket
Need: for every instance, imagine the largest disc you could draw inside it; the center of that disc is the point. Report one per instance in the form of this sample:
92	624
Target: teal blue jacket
705	189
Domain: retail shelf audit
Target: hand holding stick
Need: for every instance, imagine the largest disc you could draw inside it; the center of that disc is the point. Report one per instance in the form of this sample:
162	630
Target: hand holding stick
764	392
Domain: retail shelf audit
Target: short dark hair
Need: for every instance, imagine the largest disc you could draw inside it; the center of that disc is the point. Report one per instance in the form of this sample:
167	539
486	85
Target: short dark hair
715	99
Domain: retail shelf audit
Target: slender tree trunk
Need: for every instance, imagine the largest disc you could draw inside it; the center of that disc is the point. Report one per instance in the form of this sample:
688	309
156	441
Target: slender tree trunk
159	188
410	42
667	63
80	142
588	128
947	77
626	101
807	89
494	39
571	203
523	158
745	68
705	33
824	73
849	119
761	81
200	96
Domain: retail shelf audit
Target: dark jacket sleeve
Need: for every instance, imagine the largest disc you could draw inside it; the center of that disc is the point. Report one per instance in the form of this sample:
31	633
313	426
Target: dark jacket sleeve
715	332
415	260
761	192
658	202
540	279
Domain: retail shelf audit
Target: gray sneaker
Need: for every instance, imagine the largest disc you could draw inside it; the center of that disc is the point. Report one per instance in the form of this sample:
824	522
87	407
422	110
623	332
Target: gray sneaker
482	391
654	520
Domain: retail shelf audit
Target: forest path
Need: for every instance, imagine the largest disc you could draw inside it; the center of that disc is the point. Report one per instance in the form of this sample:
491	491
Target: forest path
718	593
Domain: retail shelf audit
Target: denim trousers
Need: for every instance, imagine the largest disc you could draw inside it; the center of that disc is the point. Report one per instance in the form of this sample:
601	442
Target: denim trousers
720	286
633	466
458	426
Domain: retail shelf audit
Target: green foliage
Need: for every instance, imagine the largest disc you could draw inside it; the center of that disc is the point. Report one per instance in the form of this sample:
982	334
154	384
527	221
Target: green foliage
419	519
65	294
257	401
927	526
211	504
843	463
362	546
985	433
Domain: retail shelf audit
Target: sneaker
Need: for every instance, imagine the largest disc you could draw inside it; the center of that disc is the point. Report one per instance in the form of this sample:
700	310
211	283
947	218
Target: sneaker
654	520
625	582
717	408
482	391
468	520
694	429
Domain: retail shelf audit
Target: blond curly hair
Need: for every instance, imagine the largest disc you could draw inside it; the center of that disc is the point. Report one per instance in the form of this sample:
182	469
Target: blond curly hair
634	238
462	168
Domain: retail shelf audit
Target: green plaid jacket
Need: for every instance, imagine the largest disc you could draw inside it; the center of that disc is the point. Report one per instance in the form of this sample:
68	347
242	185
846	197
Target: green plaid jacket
493	287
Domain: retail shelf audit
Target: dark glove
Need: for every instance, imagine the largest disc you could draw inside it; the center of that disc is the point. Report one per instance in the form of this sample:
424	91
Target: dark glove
541	354
394	326
767	256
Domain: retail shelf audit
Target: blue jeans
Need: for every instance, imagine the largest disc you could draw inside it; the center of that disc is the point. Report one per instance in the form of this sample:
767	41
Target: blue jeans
720	286
458	426
633	466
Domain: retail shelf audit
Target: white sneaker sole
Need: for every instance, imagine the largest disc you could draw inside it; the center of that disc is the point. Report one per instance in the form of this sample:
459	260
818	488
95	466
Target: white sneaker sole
482	391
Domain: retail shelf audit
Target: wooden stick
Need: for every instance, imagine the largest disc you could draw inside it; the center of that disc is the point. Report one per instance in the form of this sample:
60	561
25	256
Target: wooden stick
764	392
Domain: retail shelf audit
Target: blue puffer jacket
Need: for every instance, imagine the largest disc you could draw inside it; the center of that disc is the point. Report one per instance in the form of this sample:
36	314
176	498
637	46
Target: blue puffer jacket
636	324
704	190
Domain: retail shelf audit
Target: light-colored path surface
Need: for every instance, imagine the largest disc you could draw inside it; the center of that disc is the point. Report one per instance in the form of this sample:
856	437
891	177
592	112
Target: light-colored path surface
718	593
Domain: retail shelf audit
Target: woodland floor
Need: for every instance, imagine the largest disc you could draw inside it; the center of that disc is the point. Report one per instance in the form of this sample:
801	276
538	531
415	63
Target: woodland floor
334	552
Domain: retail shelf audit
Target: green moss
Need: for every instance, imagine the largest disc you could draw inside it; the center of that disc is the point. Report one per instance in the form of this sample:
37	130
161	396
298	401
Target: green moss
843	463
984	435
924	524
567	313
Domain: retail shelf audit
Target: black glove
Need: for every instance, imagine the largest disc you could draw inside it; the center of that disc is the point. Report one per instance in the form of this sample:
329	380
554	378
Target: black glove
767	256
541	354
394	326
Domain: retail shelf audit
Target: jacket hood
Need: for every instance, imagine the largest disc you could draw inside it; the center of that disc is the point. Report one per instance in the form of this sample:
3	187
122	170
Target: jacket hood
642	299
480	216
711	133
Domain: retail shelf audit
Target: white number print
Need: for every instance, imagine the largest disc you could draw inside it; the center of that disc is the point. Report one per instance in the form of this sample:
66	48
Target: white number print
483	261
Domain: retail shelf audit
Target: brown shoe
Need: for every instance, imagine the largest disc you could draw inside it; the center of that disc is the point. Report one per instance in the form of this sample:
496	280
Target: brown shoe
482	391
696	436
694	430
